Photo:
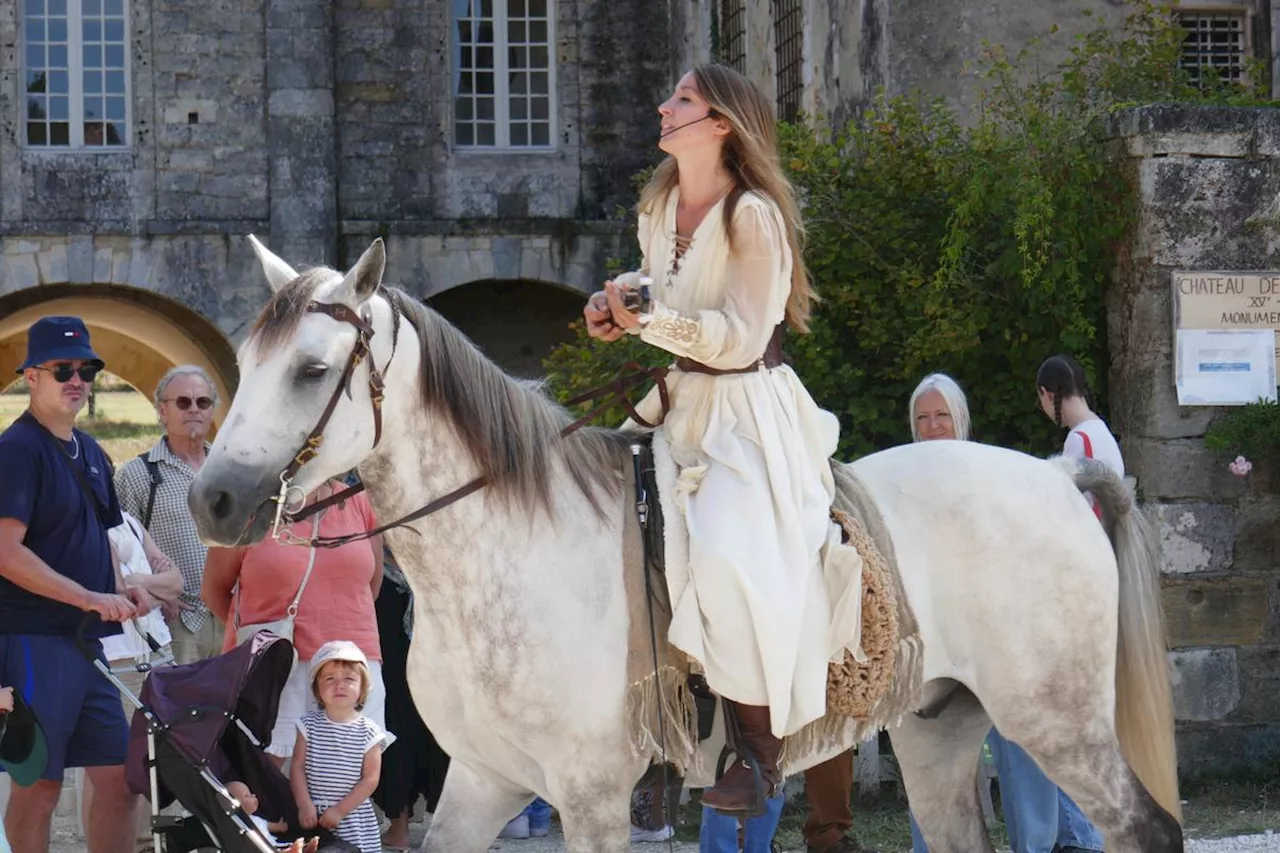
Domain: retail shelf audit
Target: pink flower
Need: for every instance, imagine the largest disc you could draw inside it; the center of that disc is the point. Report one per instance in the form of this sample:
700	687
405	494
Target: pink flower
1240	467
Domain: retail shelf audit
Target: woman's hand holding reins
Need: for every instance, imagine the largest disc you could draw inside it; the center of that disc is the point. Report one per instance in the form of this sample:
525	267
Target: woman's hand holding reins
623	317
599	319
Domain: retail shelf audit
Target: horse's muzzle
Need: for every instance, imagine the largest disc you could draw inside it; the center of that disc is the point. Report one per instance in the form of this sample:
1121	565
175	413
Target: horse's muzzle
231	504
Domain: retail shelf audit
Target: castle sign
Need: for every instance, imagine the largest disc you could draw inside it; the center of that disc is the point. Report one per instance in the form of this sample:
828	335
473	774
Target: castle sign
1210	305
1226	300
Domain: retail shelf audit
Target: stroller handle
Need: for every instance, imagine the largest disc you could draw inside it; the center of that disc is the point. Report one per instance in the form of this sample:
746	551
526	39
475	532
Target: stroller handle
92	618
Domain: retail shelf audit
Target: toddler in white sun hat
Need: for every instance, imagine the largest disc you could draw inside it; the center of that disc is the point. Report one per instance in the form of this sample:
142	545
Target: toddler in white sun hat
338	755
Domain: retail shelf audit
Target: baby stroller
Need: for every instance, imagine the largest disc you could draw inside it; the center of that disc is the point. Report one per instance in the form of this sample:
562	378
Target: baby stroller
202	723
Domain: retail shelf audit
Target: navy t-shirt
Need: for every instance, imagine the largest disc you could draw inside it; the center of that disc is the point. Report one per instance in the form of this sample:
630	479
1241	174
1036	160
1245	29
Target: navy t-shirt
39	488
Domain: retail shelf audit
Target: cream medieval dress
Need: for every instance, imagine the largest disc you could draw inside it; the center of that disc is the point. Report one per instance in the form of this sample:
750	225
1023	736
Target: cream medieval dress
763	593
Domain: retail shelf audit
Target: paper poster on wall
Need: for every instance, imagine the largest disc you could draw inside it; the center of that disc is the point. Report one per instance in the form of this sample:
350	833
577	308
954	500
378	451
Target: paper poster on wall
1225	367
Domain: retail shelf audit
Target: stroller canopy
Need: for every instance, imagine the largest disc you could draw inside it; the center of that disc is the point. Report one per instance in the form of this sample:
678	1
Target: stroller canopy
197	702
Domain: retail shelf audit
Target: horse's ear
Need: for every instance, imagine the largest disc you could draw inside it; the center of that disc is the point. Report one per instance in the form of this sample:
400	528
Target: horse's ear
363	279
278	272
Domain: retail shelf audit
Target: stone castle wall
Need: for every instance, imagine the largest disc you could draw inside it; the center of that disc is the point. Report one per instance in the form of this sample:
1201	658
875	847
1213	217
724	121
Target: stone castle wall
1207	180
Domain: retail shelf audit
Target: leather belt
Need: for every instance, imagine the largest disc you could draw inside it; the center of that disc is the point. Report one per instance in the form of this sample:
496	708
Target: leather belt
771	358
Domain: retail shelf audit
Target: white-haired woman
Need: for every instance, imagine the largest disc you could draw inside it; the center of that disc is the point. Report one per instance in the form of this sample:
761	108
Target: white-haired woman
1037	815
939	410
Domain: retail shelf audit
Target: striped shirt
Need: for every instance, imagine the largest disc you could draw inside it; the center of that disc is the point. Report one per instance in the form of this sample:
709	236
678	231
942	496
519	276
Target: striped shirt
334	765
171	525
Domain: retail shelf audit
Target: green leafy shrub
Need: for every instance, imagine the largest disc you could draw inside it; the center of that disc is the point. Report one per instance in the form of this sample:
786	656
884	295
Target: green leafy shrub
1252	431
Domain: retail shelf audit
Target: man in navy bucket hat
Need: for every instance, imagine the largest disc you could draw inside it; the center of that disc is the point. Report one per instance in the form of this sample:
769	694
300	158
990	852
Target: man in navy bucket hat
59	339
56	566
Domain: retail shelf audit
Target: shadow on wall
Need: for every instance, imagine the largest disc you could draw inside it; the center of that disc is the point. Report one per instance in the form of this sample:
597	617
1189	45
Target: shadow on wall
516	323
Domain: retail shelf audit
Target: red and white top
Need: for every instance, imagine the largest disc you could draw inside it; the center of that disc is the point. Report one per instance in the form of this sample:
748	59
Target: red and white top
1093	440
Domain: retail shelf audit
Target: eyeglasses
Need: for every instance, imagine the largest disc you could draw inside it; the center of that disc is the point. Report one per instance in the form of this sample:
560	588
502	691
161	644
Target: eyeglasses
184	403
64	372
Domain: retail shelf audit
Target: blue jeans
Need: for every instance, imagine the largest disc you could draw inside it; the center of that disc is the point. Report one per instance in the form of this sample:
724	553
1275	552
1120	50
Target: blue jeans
720	832
1037	814
539	812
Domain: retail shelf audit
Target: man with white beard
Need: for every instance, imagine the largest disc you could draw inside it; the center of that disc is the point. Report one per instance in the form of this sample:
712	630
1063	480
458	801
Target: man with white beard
153	487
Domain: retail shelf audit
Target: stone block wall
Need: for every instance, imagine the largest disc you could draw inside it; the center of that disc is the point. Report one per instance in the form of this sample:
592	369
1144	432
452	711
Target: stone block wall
394	107
1207	181
317	126
206	66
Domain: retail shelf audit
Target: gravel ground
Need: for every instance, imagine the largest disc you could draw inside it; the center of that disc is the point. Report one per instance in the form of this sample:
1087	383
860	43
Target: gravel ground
1239	844
65	841
1242	844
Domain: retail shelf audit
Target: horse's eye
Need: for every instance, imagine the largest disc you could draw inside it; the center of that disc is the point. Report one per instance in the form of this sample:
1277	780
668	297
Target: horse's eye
315	370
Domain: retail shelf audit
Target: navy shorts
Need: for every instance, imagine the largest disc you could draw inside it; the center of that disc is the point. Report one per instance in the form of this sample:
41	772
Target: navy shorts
78	708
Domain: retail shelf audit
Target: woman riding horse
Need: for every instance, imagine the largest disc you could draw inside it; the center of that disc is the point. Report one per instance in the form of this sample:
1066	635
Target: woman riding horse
720	231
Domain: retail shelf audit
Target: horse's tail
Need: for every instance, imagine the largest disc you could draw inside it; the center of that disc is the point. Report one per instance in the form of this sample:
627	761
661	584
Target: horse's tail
1144	696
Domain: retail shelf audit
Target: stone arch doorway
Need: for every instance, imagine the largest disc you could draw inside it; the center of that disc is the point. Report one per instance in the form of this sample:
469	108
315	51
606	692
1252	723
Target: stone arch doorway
516	322
138	334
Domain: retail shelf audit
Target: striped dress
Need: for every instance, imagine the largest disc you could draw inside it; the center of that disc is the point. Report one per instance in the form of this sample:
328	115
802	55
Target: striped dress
335	763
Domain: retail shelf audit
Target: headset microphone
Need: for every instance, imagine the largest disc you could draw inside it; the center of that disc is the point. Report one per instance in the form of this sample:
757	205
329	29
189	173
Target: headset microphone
711	114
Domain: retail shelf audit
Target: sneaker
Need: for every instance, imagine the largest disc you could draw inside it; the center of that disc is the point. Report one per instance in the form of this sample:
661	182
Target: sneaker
517	827
639	835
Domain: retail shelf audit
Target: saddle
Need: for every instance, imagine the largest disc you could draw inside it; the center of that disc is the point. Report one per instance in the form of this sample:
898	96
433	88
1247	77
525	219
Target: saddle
853	688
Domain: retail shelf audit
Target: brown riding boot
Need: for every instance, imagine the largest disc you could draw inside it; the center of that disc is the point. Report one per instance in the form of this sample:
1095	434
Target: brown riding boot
735	793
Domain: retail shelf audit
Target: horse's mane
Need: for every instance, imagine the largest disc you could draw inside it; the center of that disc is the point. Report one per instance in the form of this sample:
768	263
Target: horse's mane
509	426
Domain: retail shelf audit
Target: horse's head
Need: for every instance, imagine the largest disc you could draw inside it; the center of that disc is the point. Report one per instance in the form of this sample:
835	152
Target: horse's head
306	409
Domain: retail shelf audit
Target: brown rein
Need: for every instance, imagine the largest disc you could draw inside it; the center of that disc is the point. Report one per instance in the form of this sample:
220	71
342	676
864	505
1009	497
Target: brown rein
616	391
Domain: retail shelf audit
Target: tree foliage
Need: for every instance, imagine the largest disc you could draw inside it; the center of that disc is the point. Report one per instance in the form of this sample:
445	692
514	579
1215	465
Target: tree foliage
977	249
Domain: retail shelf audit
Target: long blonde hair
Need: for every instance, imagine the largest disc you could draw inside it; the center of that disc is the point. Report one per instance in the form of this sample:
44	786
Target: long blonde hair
750	154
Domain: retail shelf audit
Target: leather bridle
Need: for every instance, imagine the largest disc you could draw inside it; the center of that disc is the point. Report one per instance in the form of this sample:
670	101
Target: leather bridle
633	375
363	324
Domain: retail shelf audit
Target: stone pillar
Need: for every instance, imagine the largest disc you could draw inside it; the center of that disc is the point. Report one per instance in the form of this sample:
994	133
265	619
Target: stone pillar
301	131
1207	180
690	35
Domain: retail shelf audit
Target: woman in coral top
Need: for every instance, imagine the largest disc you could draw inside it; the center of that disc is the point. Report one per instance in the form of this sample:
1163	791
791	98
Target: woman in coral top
336	603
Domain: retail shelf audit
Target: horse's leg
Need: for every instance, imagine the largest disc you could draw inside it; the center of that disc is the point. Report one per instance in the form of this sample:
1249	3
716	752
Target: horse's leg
939	763
596	821
474	807
595	804
1086	762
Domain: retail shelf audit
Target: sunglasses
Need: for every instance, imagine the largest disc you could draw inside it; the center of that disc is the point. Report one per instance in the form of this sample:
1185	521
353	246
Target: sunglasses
184	403
64	372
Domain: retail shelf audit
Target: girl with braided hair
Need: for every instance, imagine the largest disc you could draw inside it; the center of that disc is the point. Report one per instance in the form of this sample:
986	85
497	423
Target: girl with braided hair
1064	398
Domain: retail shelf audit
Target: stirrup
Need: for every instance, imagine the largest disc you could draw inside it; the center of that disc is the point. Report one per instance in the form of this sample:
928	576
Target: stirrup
759	802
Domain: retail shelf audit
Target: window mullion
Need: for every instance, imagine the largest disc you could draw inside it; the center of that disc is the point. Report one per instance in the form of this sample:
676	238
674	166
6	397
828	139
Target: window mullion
501	75
553	115
75	72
